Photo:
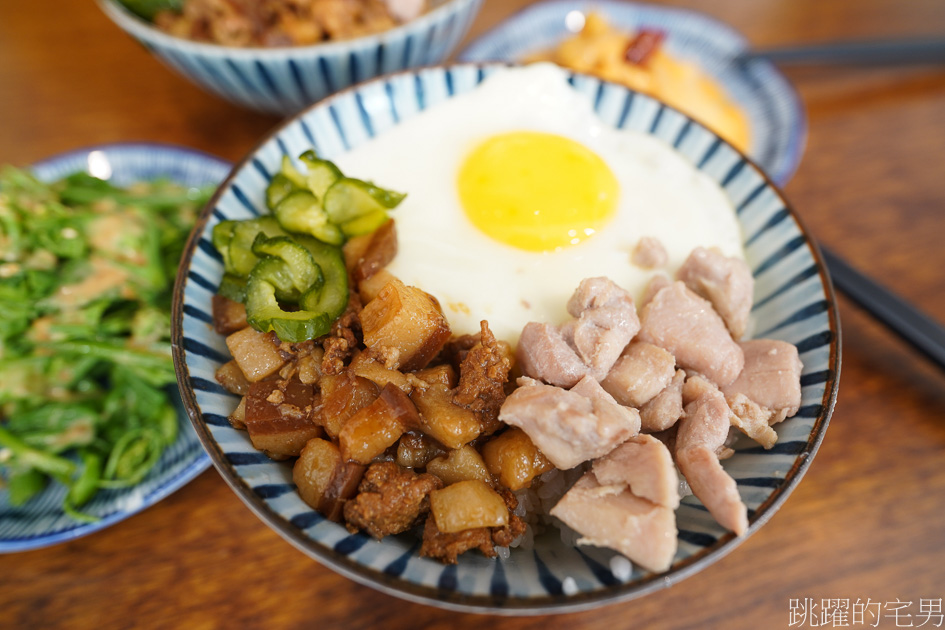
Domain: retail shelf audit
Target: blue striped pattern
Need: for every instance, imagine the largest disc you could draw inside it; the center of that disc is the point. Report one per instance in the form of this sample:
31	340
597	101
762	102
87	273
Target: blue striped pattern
41	522
285	80
792	303
776	117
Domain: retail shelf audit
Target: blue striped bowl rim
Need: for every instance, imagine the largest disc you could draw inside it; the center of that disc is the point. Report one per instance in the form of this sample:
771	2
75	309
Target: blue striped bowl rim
41	522
775	111
146	31
283	80
794	302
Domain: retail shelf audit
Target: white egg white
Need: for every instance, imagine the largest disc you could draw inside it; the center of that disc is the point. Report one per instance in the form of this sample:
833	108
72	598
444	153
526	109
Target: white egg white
475	277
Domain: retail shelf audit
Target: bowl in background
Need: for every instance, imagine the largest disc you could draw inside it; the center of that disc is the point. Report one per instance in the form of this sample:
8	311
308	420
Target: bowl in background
41	521
794	302
774	110
284	80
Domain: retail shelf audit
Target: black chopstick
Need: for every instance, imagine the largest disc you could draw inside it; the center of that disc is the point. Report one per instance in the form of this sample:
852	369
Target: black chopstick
904	51
921	331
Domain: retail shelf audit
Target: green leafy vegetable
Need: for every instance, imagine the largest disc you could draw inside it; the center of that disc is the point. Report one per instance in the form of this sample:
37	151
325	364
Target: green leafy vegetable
86	271
149	8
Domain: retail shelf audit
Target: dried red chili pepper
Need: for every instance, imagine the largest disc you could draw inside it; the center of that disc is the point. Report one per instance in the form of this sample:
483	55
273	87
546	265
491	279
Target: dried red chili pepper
641	47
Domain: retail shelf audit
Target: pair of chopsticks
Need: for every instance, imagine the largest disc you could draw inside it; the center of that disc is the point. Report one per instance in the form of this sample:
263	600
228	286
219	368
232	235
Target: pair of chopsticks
915	327
889	52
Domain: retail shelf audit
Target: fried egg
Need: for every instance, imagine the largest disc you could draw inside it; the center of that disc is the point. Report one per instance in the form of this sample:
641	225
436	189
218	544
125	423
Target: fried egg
516	191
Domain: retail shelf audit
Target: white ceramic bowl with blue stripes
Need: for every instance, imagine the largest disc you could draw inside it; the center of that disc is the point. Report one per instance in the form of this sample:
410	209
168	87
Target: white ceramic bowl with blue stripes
776	116
41	522
794	302
283	80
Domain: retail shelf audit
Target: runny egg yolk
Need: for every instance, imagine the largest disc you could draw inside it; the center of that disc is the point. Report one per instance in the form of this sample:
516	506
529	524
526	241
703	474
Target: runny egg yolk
537	191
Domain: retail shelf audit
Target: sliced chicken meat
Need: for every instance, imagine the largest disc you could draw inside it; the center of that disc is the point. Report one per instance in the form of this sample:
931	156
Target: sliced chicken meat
649	253
714	487
771	378
405	10
611	516
706	419
605	406
645	465
686	325
656	284
700	437
665	408
697	386
598	293
752	419
726	282
606	321
544	354
569	427
641	372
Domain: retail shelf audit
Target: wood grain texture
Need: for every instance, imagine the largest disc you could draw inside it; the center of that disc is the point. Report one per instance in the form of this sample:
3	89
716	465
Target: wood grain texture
866	522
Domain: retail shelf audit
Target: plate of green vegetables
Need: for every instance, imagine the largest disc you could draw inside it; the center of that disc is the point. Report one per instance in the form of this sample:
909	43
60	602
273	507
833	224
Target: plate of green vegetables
92	429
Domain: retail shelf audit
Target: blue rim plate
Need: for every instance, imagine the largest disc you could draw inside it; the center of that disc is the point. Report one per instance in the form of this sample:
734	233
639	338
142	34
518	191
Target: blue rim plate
41	522
794	302
774	109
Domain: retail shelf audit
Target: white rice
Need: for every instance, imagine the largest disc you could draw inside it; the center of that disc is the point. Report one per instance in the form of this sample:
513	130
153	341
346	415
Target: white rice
536	501
569	586
684	489
621	568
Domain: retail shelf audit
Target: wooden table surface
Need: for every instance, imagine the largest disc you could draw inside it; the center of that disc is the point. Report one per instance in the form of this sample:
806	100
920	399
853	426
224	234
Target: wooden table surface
867	520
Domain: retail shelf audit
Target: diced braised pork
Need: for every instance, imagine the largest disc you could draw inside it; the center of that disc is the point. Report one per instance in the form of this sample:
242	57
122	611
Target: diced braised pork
606	322
771	378
569	427
324	479
228	316
256	353
449	424
611	516
645	465
665	408
404	324
714	487
649	253
683	323
726	282
514	459
483	375
390	499
230	376
278	417
544	354
379	249
364	364
446	547
641	372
